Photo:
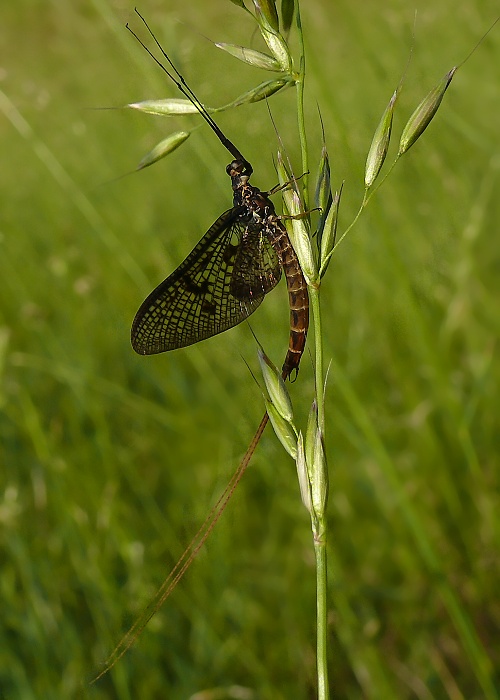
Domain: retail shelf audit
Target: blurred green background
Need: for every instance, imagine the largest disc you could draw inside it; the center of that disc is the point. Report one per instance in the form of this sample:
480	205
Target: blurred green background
110	461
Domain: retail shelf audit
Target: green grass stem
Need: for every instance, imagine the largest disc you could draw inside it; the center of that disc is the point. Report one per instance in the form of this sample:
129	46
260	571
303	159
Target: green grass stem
110	461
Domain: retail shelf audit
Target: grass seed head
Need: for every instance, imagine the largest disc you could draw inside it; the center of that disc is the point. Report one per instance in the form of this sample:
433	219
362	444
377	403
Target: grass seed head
380	143
265	90
276	43
329	234
303	474
163	148
323	190
312	427
283	430
251	56
287	11
276	387
423	115
169	107
319	477
301	240
267	8
256	94
284	176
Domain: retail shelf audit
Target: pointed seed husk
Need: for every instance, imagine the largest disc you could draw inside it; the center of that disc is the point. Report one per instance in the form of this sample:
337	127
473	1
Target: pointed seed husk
276	43
319	477
276	387
261	92
163	148
423	115
283	174
311	429
282	429
250	56
303	474
329	233
323	189
269	11
300	239
168	107
287	11
380	143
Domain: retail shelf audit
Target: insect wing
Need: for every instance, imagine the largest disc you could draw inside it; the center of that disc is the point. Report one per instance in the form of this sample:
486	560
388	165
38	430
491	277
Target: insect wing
256	266
196	301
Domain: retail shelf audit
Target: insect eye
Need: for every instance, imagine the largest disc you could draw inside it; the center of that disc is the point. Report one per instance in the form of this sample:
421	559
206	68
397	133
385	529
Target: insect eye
239	167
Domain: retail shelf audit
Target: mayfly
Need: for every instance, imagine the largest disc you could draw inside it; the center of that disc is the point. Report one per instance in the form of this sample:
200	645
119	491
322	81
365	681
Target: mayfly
226	276
221	282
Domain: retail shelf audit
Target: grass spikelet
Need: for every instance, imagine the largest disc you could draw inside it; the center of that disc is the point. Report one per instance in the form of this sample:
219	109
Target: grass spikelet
276	43
300	238
380	143
164	148
276	387
169	107
251	56
287	12
424	113
303	474
283	429
267	8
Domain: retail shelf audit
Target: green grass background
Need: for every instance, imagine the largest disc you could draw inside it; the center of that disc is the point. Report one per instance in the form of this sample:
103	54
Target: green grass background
109	461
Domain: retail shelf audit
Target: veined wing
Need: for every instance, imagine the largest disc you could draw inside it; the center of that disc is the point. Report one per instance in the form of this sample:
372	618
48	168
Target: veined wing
257	268
221	282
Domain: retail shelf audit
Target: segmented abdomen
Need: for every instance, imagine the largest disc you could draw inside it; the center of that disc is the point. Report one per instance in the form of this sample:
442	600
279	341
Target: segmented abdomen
297	295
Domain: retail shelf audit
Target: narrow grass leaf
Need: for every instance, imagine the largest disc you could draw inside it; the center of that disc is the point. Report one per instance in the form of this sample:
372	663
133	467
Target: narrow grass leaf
163	148
422	116
250	56
380	143
283	430
276	387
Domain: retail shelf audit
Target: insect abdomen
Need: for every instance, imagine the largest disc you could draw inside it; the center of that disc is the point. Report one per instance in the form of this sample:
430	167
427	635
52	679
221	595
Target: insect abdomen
298	299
